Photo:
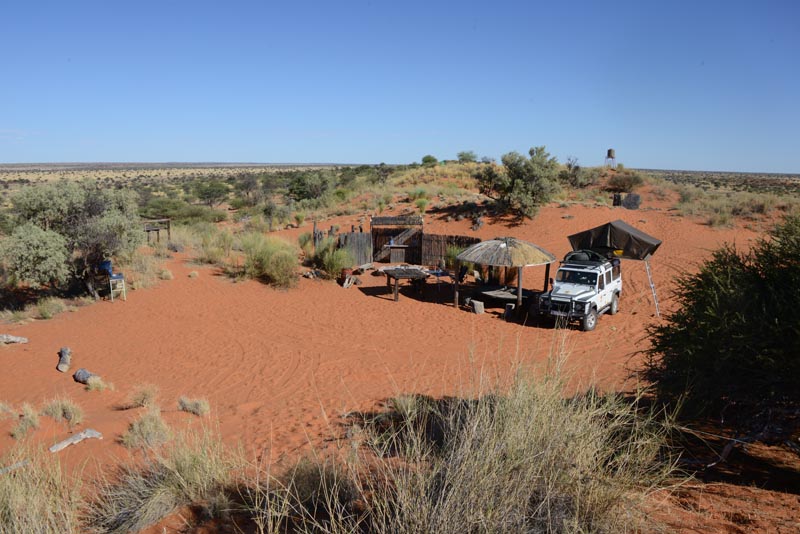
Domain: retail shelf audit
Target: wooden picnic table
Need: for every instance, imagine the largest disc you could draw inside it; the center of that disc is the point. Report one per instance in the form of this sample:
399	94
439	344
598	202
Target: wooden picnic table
403	273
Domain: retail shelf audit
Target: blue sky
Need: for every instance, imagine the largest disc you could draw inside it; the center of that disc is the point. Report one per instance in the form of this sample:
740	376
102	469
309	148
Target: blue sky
682	85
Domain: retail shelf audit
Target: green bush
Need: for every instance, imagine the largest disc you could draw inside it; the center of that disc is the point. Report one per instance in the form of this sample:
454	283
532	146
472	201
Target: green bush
624	181
95	223
36	256
733	340
522	184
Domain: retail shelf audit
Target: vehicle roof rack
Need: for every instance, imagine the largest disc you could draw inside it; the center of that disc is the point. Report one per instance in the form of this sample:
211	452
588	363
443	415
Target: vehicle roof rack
582	258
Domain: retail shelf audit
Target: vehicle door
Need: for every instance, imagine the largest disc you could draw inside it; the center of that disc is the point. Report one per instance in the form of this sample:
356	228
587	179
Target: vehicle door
605	289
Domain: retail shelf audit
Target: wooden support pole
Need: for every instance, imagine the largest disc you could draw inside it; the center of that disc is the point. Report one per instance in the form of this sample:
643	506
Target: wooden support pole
519	288
455	283
546	277
396	288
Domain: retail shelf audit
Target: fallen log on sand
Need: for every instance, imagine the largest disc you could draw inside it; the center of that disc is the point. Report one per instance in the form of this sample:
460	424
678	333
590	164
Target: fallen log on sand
12	467
7	339
89	433
64	359
82	376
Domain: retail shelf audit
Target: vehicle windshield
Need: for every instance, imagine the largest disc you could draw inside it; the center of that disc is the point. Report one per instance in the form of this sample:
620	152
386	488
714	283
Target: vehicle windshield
576	277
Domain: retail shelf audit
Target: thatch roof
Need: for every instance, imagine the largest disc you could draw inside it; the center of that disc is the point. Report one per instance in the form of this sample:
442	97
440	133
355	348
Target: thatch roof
506	252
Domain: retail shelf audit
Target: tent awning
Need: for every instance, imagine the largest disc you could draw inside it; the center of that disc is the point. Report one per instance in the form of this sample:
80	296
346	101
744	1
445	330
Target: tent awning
617	235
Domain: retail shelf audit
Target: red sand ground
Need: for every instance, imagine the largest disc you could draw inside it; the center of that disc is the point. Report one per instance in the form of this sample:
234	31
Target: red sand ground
280	367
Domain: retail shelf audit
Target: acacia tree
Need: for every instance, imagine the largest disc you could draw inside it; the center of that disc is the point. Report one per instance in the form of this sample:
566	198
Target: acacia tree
212	192
521	184
92	225
467	156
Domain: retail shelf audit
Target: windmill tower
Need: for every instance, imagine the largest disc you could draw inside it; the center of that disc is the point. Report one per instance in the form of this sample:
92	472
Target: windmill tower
611	158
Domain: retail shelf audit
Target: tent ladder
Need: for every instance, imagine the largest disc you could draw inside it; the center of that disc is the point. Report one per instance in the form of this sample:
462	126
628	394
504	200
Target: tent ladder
652	286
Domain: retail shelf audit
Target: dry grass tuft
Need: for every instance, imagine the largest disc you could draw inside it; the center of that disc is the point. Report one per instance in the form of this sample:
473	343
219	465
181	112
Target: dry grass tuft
38	497
96	383
194	470
165	274
199	407
193	274
28	421
146	432
64	409
144	396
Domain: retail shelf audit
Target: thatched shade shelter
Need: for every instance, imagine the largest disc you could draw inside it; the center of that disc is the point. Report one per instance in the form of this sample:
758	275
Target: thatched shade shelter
507	252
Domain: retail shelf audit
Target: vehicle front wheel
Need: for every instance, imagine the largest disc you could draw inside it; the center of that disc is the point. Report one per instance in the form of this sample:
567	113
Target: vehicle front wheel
614	304
590	320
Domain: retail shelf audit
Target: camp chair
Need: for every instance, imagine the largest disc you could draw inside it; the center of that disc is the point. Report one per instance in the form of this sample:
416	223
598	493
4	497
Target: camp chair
116	281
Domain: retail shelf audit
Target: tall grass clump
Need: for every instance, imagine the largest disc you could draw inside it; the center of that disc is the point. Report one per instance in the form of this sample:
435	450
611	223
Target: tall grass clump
527	460
195	469
64	410
146	432
269	259
37	497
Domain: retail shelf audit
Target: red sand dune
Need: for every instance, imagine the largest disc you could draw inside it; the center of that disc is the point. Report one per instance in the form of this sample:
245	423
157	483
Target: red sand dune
280	367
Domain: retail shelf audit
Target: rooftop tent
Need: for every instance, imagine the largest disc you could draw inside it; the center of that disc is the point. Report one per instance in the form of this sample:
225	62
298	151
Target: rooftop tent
617	235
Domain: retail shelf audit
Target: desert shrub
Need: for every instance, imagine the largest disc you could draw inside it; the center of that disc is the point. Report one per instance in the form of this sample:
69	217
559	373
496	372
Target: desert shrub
64	409
311	184
95	223
332	259
144	396
196	470
269	259
299	218
624	181
48	308
418	193
38	497
193	274
522	184
180	212
36	256
732	340
198	407
429	161
573	175
28	420
165	274
212	192
146	432
421	204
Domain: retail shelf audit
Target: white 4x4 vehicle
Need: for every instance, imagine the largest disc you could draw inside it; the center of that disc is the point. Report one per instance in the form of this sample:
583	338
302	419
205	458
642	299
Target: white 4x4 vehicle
586	285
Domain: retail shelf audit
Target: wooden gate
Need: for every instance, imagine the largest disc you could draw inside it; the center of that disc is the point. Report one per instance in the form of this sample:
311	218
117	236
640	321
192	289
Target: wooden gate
359	245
